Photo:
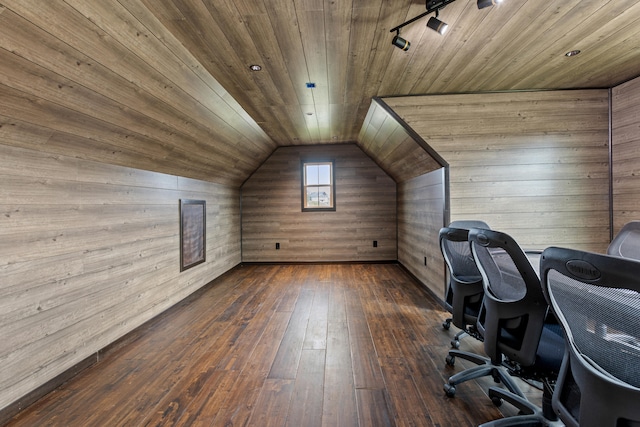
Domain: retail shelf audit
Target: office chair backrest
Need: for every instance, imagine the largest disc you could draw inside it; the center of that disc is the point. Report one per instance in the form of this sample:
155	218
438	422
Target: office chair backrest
514	310
464	277
597	300
456	251
626	244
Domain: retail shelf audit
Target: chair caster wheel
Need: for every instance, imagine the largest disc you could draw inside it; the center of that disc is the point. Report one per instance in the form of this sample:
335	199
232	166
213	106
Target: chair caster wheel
446	325
497	402
449	390
455	344
450	360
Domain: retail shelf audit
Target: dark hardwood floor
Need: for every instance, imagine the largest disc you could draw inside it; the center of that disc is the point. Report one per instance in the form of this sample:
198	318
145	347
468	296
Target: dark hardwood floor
281	345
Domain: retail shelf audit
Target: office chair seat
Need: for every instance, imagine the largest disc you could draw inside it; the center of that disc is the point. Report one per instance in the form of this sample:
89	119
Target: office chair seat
550	349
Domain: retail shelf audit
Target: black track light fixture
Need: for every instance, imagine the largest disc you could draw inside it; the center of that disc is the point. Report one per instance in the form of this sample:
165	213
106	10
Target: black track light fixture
434	23
437	25
432	6
487	3
400	43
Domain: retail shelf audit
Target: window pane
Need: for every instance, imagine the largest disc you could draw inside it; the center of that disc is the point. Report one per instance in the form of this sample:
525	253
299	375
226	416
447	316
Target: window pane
319	197
312	197
324	197
312	174
324	174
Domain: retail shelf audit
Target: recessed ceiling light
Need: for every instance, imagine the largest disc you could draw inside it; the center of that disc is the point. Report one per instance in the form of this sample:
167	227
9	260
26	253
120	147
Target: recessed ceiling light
572	53
255	67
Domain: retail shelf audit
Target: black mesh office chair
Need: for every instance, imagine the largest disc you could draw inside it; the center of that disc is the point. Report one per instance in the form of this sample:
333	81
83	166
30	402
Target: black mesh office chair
464	292
597	300
626	244
520	333
463	297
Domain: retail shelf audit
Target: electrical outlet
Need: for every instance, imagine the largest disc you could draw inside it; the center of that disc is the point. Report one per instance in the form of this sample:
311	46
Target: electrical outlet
375	243
277	246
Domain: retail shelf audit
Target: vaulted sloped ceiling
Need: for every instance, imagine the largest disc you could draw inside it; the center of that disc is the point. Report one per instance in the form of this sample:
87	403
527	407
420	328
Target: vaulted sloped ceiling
165	85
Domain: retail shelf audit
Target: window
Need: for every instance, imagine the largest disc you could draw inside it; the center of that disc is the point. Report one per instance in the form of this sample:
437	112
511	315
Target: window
318	192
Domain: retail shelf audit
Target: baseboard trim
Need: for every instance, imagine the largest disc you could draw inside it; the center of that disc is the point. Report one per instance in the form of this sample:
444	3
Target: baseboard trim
390	261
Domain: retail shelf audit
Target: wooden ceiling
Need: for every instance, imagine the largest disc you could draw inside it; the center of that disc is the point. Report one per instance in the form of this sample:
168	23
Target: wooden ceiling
165	85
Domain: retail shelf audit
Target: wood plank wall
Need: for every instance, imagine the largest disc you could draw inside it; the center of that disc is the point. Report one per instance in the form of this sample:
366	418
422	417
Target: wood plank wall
533	164
90	251
626	153
420	216
383	138
105	81
365	210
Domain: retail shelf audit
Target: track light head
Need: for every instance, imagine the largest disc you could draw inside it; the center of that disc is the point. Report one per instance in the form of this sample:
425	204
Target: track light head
437	25
486	3
400	43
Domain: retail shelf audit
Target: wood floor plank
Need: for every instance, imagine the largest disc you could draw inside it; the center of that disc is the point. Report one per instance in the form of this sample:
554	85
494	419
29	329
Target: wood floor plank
286	363
307	400
240	398
316	335
339	402
276	345
408	406
289	295
272	407
211	403
366	369
373	408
